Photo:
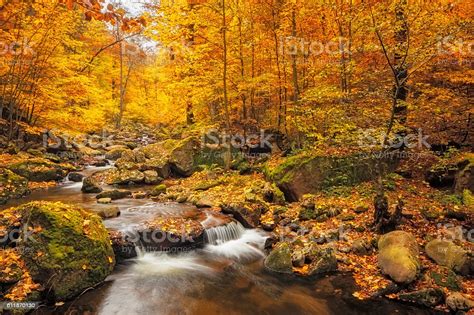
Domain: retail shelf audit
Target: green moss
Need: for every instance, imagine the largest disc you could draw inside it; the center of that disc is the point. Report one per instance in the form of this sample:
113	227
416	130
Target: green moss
158	190
68	250
468	199
12	186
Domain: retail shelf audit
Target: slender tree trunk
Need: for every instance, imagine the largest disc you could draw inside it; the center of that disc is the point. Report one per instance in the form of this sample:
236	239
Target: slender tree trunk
296	89
228	153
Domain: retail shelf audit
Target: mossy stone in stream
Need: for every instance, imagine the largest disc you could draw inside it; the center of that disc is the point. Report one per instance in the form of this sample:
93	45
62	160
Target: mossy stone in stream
158	190
65	248
279	259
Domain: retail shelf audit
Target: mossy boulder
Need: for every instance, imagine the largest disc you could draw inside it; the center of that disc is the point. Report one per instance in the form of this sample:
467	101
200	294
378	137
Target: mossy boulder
399	257
448	254
40	170
12	186
130	160
65	249
152	177
116	153
125	177
304	173
247	213
279	260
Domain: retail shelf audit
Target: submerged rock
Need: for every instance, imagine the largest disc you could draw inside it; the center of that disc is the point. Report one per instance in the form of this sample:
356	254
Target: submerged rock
398	256
448	254
115	194
279	260
66	249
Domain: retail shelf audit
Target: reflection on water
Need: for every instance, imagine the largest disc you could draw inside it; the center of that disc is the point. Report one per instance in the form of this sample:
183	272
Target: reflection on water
222	278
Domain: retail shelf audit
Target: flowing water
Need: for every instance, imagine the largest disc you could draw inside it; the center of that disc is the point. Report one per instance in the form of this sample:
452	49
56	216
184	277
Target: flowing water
224	277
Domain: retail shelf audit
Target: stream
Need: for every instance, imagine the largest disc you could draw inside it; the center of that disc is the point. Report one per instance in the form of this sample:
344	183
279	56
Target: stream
224	277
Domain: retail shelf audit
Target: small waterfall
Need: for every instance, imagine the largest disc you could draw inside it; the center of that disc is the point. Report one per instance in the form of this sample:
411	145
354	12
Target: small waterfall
225	233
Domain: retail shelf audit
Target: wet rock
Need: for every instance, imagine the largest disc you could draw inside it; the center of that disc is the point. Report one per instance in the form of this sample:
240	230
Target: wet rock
12	186
459	302
323	260
66	248
428	297
104	201
279	260
158	190
152	178
108	212
298	257
122	245
168	234
248	214
75	177
139	195
115	194
448	254
90	186
398	256
100	163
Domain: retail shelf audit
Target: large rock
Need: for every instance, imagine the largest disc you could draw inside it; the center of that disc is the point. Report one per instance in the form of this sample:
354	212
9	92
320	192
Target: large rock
130	160
305	174
171	233
247	213
398	256
40	170
90	186
179	154
279	260
64	248
116	153
448	254
12	186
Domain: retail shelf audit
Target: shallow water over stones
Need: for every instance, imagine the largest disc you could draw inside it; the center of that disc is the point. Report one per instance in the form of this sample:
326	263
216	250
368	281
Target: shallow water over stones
225	276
